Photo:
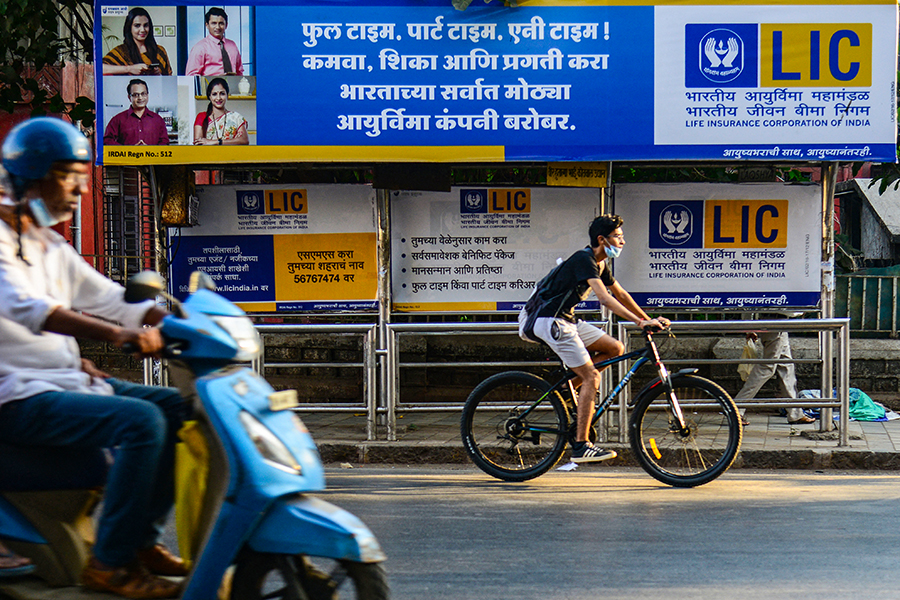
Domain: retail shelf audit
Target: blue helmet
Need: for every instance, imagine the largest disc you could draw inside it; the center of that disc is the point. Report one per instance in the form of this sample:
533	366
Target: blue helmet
33	146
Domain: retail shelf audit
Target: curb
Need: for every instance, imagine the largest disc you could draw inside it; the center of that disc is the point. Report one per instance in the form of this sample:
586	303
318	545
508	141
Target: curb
424	453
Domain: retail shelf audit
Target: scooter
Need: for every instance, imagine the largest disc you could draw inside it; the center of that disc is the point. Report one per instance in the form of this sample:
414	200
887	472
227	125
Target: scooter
257	532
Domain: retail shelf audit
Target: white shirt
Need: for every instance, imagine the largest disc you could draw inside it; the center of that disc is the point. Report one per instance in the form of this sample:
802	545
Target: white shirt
33	361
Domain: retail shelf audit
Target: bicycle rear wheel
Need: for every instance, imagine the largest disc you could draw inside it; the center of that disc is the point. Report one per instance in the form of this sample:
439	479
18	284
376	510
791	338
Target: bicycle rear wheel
696	455
503	441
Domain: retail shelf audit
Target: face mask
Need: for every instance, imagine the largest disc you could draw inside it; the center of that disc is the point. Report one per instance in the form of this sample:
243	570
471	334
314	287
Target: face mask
42	216
613	251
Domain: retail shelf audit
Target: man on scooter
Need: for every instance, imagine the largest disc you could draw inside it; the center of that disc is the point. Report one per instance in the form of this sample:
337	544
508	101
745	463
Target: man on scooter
49	395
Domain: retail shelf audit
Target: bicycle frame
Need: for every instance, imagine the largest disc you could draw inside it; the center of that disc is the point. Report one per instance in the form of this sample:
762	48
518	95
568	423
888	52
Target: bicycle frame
528	420
643	356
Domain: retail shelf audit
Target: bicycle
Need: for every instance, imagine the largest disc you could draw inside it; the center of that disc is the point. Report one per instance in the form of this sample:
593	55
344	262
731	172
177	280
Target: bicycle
684	430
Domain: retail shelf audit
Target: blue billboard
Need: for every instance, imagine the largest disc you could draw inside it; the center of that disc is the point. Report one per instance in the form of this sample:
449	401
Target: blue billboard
413	80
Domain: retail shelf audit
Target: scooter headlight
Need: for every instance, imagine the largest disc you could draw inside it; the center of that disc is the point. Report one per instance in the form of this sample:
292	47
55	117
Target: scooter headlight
243	332
269	446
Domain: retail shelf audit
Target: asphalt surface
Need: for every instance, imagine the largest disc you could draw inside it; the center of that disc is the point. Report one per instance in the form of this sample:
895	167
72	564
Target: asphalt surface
454	533
770	442
615	533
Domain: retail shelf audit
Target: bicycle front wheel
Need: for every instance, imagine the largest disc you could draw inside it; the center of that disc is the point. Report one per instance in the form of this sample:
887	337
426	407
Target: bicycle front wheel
505	434
700	452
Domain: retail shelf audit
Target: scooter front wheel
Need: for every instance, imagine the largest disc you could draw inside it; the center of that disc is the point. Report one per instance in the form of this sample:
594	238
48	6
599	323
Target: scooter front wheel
282	577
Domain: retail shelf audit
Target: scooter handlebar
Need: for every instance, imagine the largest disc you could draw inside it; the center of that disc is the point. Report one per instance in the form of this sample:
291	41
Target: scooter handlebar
171	348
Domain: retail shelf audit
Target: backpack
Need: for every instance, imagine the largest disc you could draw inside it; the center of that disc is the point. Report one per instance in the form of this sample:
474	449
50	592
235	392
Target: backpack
535	301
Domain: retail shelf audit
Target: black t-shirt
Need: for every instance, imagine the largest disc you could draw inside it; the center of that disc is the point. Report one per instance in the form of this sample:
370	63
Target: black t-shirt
567	285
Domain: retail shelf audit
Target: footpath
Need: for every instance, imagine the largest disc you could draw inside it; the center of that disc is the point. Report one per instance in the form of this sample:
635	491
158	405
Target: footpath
769	443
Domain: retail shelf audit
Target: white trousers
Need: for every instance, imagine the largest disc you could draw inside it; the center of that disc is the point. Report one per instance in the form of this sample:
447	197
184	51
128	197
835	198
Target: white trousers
776	345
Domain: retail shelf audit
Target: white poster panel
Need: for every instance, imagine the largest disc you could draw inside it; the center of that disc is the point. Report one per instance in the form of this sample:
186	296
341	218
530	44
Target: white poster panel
721	246
781	82
479	248
283	248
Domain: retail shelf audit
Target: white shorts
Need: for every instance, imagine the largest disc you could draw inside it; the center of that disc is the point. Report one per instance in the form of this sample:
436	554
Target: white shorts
567	340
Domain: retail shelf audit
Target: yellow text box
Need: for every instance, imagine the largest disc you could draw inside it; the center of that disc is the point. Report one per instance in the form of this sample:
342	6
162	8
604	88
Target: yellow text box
509	200
746	224
816	54
325	266
580	174
286	202
217	155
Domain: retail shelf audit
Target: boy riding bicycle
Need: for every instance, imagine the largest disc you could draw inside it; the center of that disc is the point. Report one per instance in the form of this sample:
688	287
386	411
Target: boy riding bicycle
549	317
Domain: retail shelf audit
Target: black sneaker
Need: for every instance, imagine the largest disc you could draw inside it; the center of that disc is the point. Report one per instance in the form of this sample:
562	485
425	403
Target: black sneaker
587	452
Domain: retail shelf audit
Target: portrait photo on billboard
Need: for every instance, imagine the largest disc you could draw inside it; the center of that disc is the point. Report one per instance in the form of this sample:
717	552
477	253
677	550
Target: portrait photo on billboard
139	111
220	41
138	41
223	111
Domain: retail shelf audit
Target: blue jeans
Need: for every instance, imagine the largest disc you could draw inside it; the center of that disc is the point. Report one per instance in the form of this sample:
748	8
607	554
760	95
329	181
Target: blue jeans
141	423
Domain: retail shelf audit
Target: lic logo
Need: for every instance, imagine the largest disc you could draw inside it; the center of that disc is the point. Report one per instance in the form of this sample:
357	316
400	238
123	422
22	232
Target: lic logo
473	201
721	55
676	225
249	202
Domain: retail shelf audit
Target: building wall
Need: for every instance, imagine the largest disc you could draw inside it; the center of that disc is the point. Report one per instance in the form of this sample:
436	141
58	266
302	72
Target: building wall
875	242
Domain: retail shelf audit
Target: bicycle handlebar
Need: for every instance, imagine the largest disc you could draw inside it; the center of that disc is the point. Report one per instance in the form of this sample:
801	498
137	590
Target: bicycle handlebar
648	329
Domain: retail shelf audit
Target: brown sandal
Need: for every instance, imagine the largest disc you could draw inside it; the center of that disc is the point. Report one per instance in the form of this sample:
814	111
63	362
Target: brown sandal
13	565
132	581
804	420
160	561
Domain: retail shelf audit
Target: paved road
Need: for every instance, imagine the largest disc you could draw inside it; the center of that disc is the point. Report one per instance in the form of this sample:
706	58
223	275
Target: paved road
457	534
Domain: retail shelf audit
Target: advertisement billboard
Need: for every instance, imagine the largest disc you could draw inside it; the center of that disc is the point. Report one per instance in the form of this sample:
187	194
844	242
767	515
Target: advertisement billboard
483	248
282	248
721	246
416	80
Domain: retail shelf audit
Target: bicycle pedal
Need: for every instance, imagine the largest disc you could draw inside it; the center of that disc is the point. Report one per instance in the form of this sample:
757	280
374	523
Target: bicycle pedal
536	438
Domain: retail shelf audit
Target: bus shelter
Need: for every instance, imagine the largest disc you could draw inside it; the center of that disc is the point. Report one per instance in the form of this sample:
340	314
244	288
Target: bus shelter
413	87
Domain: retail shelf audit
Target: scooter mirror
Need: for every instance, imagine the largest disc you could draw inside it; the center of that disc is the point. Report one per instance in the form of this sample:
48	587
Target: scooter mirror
144	286
201	280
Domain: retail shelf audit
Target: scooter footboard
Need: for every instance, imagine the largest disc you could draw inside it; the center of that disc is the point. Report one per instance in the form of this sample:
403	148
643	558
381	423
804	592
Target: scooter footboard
310	526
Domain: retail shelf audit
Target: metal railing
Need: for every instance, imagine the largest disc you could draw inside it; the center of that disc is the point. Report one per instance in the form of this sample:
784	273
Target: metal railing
370	397
826	328
393	403
869	301
387	402
393	364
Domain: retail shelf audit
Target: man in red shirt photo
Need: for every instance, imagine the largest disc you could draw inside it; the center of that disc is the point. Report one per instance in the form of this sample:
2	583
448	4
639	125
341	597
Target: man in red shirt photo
136	126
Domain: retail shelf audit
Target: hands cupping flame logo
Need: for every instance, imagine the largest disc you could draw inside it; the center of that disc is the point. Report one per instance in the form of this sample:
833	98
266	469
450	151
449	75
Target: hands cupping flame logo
675	224
721	55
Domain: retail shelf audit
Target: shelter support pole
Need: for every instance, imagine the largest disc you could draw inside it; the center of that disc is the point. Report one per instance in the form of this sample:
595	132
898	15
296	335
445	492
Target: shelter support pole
607	382
157	375
159	258
826	338
387	379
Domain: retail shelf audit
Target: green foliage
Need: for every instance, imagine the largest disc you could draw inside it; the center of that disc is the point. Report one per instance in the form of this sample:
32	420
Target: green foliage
524	176
30	40
673	174
794	176
890	176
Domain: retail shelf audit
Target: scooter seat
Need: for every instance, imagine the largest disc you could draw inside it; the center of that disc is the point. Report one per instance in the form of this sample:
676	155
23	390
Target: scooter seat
40	468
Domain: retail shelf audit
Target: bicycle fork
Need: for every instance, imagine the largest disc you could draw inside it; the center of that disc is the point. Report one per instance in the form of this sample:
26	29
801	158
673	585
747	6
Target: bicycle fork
666	380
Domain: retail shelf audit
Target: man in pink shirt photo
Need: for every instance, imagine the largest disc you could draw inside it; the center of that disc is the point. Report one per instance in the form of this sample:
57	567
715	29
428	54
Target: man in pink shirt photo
215	55
136	126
